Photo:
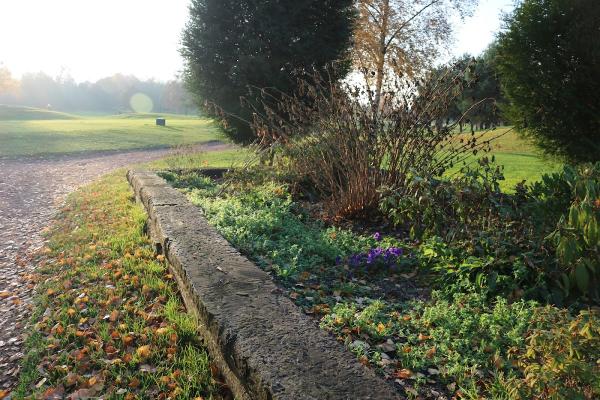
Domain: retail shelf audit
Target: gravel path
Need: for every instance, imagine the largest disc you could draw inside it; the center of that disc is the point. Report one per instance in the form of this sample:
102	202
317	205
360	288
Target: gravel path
31	190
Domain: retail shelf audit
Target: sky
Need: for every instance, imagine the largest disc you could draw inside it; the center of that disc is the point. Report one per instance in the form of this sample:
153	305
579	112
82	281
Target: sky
92	39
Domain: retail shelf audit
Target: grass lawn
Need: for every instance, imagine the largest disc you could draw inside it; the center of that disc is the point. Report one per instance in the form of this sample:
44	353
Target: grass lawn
520	159
27	132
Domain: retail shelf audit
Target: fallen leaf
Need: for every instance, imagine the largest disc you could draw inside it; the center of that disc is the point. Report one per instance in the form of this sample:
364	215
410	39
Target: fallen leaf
162	331
114	315
423	337
127	340
430	353
403	373
143	351
83	394
71	379
134	383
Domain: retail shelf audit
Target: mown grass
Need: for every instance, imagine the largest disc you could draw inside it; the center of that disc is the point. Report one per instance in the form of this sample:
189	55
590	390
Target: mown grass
520	160
19	113
184	158
108	320
23	135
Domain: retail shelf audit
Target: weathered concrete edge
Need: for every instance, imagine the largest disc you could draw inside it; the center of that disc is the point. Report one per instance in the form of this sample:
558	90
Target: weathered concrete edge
266	348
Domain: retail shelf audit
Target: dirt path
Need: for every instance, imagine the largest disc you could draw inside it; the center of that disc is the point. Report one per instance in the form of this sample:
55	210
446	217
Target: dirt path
31	190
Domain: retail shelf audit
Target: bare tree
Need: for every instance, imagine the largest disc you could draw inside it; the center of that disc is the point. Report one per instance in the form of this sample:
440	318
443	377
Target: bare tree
400	38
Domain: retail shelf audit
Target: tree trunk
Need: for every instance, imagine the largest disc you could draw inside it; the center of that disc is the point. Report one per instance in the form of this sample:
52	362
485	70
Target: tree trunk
385	15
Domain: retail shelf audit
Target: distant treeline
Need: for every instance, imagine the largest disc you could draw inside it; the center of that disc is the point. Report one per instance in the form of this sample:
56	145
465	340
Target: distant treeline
108	95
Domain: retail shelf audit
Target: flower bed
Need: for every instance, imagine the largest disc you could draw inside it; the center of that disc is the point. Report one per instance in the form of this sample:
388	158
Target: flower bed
372	291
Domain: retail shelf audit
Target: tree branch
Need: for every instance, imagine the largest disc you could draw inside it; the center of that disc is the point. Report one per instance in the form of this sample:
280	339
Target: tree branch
404	24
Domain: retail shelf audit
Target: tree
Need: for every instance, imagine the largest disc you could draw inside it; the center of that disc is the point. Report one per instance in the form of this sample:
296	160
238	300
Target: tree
549	62
229	45
483	97
8	85
399	38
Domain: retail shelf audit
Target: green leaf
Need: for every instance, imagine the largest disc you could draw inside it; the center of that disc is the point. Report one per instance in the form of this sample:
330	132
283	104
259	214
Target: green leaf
567	250
585	214
582	277
574	216
592	233
565	284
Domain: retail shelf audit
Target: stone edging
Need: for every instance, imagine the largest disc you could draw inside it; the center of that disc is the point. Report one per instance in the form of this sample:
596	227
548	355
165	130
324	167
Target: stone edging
265	346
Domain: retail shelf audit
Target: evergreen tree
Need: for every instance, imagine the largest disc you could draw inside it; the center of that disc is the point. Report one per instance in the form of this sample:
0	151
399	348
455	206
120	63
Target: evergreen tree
230	45
549	63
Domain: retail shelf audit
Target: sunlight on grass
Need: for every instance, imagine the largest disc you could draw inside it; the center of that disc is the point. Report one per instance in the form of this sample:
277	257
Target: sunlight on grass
126	132
108	320
520	159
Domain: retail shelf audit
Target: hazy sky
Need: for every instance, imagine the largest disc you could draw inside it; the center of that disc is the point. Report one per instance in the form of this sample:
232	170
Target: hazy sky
90	39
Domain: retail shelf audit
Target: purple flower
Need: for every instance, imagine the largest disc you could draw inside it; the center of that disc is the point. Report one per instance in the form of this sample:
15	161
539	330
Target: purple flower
394	251
338	260
377	236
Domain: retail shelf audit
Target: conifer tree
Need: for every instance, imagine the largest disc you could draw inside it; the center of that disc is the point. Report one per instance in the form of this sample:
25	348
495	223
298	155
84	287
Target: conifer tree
229	45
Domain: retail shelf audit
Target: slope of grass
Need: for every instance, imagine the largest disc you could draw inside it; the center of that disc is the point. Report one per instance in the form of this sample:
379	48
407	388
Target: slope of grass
19	113
39	137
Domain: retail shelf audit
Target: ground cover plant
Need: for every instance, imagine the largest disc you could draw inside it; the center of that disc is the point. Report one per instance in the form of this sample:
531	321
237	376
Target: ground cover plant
108	320
468	309
27	135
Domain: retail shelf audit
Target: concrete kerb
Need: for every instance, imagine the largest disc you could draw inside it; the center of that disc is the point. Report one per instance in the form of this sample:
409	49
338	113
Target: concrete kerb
264	345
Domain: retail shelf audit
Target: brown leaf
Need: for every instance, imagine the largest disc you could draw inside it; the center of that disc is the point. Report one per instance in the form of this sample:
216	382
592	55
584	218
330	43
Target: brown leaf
431	352
71	379
403	373
114	315
134	383
143	351
162	331
423	337
83	394
56	393
173	338
127	340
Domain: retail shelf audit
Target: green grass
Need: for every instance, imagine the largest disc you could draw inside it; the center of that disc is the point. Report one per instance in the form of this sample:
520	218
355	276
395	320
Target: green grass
520	159
108	320
205	159
35	136
18	113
